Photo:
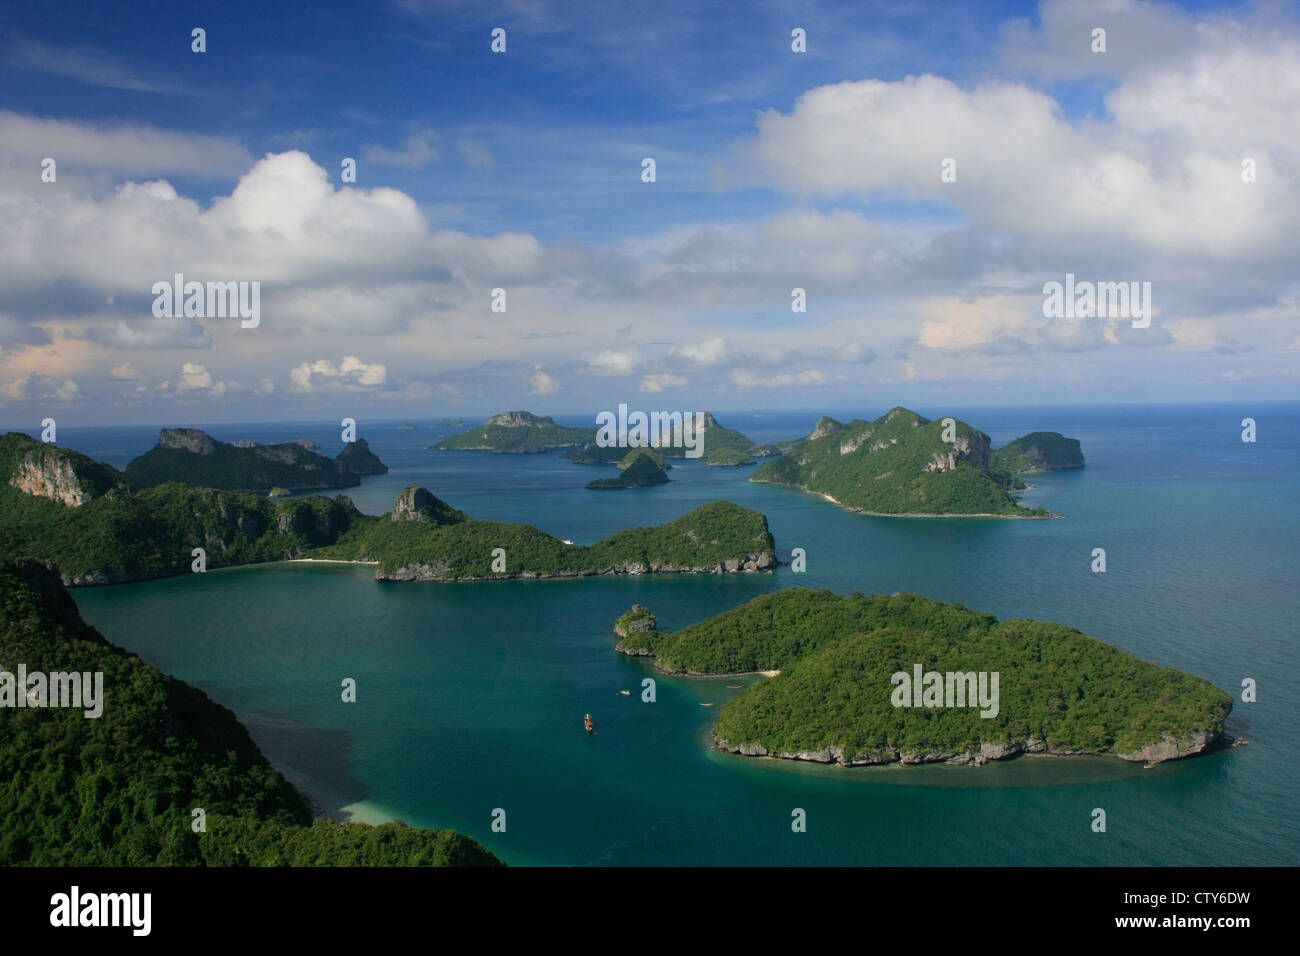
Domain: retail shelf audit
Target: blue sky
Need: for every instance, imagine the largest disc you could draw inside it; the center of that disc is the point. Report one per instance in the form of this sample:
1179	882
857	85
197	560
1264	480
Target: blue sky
521	170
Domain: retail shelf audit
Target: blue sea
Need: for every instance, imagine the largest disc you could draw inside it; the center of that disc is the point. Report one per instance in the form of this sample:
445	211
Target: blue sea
470	697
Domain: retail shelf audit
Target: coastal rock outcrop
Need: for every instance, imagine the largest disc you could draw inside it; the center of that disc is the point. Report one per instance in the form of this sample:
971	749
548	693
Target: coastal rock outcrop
66	476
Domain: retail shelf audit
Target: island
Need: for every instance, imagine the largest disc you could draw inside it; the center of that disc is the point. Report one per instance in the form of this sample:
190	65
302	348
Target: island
623	457
722	447
525	433
642	473
99	528
117	788
517	433
1036	452
900	464
194	457
842	662
356	458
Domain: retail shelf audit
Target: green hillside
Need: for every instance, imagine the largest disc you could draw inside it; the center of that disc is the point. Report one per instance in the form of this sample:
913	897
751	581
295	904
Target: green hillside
118	789
1059	690
897	464
517	433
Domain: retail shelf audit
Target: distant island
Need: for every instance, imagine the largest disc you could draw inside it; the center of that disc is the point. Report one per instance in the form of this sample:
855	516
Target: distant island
834	695
643	472
518	433
1036	452
99	528
623	457
196	458
117	789
900	464
525	433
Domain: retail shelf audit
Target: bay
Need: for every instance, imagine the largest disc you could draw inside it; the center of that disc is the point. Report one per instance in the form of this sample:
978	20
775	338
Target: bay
470	696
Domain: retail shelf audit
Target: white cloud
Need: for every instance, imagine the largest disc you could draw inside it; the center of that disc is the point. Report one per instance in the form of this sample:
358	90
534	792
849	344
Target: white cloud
617	361
660	381
708	353
324	376
416	152
746	379
540	383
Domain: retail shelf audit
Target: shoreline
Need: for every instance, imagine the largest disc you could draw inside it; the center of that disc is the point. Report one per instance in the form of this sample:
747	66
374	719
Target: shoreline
309	561
903	514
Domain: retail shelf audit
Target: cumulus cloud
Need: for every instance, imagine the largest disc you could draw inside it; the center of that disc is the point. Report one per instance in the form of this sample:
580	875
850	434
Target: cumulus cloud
617	361
350	375
44	388
661	381
540	383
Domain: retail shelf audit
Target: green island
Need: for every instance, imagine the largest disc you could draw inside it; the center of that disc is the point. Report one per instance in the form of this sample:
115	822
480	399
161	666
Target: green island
525	433
1036	452
118	789
60	506
518	433
623	457
643	472
723	447
832	696
900	465
196	458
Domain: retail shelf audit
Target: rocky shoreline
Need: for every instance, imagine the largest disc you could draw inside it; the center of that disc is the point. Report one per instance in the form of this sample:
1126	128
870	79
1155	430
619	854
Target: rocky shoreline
756	561
1169	748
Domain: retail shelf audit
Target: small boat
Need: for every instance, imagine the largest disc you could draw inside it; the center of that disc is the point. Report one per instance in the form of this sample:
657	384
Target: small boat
734	686
710	704
589	724
626	693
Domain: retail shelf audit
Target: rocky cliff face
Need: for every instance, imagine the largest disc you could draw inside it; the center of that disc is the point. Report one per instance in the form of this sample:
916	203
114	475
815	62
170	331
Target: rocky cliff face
49	478
65	476
640	620
413	504
516	420
187	439
441	571
825	425
973	449
1167	749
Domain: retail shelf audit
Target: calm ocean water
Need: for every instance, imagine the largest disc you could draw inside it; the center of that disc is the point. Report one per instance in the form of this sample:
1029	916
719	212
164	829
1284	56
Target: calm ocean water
470	697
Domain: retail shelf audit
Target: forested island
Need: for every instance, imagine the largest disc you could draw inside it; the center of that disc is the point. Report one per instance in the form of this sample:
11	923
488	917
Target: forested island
196	458
517	433
119	789
643	472
525	433
903	464
1036	452
88	518
1060	691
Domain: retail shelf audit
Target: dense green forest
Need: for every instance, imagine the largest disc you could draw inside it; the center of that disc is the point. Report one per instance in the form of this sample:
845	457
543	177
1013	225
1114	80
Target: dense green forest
1037	451
897	464
118	790
837	654
714	536
128	535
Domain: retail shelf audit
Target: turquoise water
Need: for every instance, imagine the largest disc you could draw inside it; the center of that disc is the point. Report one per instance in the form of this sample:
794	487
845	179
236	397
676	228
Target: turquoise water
470	697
